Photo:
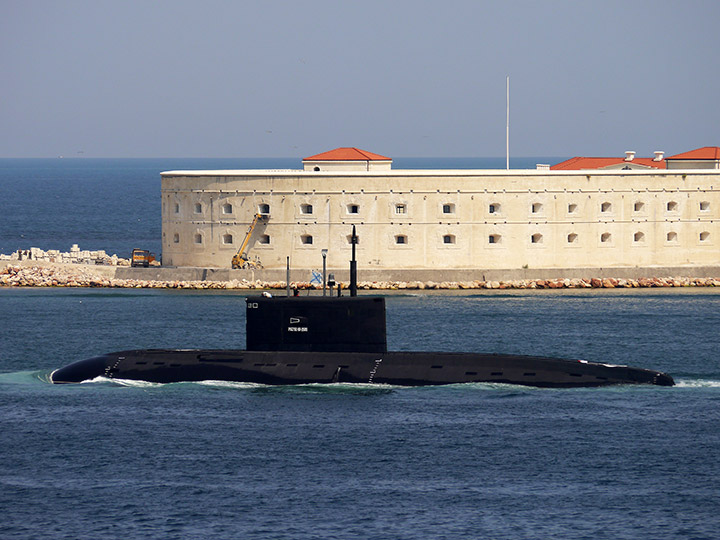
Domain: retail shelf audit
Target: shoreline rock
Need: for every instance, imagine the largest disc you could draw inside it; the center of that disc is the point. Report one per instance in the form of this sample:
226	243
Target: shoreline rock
49	276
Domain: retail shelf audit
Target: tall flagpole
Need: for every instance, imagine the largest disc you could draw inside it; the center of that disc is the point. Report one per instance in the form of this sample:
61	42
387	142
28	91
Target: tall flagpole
507	123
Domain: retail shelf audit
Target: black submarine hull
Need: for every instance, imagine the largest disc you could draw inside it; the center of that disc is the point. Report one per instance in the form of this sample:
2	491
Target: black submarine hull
392	368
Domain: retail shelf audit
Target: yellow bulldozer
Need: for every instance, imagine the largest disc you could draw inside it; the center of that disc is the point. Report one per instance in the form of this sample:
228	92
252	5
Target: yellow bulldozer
240	259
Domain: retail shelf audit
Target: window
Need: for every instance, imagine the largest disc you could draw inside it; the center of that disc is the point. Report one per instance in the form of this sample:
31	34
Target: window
639	206
264	239
448	208
606	207
401	209
198	208
536	208
176	238
306	209
349	239
177	208
353	209
449	239
401	239
227	208
672	206
316	169
704	236
572	208
494	208
671	236
263	208
198	238
572	238
704	206
306	239
605	237
227	239
494	239
536	238
639	237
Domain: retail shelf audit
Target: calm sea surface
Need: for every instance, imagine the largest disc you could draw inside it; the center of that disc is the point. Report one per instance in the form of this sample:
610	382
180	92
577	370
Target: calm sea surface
229	460
107	460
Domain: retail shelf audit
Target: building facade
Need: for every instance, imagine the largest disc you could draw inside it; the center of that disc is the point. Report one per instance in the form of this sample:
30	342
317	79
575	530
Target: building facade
442	219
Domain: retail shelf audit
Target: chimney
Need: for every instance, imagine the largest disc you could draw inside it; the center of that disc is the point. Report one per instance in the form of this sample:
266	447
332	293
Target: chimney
629	155
659	155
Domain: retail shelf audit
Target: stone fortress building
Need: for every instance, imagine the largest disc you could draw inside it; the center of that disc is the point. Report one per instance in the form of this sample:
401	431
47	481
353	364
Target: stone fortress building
582	213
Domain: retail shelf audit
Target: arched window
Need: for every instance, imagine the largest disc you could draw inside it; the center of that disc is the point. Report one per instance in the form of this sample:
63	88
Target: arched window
536	208
264	239
263	208
353	209
448	208
704	236
572	208
605	237
198	238
671	236
401	209
449	239
606	207
494	208
306	239
198	208
672	206
638	206
227	208
536	238
177	208
494	239
639	237
704	206
306	209
176	238
572	238
401	239
227	239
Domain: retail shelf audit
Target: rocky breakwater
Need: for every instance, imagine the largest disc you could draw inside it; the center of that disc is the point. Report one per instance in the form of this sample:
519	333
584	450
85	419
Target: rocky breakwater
14	275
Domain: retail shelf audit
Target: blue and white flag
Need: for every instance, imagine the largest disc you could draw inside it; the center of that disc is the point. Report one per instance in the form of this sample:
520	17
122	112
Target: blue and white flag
316	278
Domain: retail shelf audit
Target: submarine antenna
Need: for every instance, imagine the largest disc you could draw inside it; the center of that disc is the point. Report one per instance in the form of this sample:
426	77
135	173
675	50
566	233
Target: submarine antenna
287	277
353	265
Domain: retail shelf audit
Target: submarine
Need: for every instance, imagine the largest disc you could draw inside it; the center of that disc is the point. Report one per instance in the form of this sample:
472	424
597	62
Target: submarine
302	340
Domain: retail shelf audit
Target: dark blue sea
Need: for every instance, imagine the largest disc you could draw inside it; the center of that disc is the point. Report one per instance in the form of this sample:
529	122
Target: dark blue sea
113	459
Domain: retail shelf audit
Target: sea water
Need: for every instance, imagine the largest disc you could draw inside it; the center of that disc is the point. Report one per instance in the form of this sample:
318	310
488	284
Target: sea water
111	459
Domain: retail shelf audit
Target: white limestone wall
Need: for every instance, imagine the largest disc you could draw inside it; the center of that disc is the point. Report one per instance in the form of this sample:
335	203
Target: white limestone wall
614	218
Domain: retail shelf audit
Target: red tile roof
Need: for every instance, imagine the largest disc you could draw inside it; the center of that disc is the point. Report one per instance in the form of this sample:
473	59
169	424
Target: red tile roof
347	154
578	163
706	152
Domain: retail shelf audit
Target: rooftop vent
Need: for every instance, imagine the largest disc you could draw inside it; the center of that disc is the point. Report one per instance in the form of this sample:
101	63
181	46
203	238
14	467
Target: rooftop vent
629	155
659	155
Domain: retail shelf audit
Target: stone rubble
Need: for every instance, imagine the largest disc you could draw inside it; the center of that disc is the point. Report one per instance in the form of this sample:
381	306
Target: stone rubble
74	256
48	276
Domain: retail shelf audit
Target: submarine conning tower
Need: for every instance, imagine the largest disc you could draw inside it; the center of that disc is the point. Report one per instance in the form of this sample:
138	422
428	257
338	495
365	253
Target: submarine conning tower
314	324
317	324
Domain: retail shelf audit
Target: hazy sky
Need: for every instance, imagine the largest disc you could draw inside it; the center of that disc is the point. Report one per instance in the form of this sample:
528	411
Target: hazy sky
400	78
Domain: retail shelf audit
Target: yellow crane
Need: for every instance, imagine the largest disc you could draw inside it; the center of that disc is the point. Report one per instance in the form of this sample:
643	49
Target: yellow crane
240	259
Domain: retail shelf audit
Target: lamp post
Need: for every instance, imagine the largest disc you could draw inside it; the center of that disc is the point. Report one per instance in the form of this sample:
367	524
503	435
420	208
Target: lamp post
324	255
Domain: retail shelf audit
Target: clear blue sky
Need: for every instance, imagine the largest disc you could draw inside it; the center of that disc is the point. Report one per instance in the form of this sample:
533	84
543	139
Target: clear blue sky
400	78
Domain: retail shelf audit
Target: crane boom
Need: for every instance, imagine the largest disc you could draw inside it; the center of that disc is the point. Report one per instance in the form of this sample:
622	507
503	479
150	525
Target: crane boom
240	259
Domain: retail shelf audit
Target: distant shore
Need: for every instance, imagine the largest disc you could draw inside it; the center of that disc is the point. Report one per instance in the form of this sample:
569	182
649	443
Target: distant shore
27	274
